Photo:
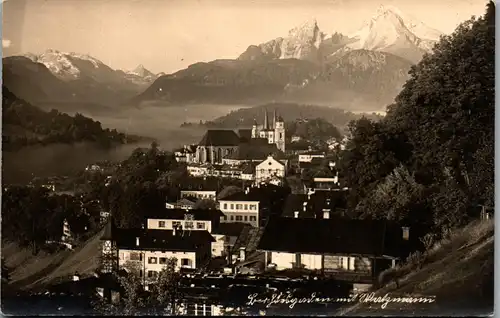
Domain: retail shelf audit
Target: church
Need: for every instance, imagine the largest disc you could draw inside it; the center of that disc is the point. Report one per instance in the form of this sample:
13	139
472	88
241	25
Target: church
274	132
260	141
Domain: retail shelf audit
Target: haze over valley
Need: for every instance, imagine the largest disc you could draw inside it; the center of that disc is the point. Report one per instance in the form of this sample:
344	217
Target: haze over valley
358	69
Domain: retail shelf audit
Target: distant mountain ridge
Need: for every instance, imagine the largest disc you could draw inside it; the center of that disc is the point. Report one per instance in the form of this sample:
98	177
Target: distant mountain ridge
389	30
59	78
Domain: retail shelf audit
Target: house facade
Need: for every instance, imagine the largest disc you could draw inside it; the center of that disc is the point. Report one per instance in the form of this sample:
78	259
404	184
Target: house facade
199	194
147	250
270	171
357	250
240	207
193	220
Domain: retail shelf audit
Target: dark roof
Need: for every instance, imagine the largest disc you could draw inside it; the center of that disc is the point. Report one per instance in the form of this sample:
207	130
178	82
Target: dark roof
199	183
249	169
335	201
230	229
295	202
249	151
332	236
219	137
161	239
242	196
178	214
245	135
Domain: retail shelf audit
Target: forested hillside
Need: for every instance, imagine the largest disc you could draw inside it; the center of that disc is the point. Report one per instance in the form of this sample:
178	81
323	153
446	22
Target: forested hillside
245	117
25	124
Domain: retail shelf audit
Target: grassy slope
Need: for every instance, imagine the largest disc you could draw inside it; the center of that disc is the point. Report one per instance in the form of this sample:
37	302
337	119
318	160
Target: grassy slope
458	271
29	271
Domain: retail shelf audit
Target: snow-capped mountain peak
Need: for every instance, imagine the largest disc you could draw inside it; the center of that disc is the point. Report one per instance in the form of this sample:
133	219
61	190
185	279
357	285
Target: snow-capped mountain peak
64	64
392	31
140	71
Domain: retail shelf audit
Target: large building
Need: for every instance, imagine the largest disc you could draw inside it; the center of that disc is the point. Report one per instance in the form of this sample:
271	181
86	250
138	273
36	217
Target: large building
274	132
245	145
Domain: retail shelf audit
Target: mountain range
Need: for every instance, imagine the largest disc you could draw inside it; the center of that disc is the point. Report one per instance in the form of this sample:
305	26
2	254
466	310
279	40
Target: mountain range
57	78
363	70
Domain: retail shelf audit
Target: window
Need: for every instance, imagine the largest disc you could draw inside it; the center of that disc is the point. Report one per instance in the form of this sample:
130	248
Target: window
239	218
189	225
239	206
161	223
253	218
232	206
200	225
140	273
185	262
225	218
163	260
246	218
253	207
135	257
152	260
281	135
152	274
232	217
176	223
225	206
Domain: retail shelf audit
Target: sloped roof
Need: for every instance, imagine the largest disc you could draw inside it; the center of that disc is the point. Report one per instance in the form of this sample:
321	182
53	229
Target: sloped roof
162	239
230	229
245	135
335	201
249	169
249	151
220	137
333	236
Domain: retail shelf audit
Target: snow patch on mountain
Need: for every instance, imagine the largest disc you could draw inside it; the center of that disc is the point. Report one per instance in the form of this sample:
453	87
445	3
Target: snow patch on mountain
62	64
392	31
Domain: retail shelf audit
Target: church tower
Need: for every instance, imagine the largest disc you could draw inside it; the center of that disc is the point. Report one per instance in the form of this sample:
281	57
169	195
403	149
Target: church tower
255	131
279	133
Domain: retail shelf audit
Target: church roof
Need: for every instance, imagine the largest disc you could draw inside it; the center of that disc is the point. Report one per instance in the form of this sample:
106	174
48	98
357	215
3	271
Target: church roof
220	137
253	152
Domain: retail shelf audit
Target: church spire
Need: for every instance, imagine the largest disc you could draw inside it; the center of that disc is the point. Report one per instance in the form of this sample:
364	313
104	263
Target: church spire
274	120
266	124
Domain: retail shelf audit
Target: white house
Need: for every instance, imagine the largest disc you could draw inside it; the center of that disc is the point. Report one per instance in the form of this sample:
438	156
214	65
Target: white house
240	207
148	250
308	157
193	219
183	203
270	171
199	194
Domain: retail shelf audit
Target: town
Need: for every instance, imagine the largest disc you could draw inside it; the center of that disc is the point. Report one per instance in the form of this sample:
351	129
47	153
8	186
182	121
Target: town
234	222
292	196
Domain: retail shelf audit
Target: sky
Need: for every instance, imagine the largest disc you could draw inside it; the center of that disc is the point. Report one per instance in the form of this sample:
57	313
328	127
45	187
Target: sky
168	35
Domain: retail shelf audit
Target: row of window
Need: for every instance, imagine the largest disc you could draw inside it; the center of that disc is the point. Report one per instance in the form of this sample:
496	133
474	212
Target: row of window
163	261
138	257
239	206
187	224
251	218
270	171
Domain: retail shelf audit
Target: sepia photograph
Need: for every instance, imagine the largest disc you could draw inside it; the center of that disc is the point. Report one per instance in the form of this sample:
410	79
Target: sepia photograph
248	158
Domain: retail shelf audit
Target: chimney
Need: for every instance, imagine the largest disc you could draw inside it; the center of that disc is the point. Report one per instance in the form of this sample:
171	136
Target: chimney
137	241
305	206
296	214
242	253
326	214
406	233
